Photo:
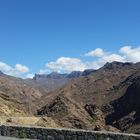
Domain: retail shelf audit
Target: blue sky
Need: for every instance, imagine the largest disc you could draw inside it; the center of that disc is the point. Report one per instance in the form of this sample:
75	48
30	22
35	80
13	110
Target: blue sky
37	36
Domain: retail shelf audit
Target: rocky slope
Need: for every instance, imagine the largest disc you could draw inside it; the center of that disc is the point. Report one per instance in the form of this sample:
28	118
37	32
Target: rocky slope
16	96
126	109
105	100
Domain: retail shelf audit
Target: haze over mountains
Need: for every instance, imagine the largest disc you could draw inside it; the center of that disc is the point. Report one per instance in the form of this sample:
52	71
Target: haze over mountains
105	99
54	80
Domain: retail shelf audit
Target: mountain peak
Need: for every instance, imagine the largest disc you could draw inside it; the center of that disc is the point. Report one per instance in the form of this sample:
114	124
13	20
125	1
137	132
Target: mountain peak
75	74
116	64
53	75
56	75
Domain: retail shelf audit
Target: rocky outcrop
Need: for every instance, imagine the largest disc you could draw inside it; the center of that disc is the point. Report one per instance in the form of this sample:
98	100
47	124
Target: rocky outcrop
67	113
126	109
107	99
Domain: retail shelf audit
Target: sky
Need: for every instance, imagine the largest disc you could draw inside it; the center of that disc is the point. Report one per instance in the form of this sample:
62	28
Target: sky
41	36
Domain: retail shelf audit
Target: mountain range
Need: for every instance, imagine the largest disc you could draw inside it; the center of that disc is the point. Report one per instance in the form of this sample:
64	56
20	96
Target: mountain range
54	80
103	99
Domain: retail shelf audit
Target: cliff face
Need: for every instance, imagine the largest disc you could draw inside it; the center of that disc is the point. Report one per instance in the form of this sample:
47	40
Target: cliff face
126	109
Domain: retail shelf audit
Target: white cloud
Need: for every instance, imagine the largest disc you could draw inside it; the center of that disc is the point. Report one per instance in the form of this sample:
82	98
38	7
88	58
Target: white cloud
44	71
125	54
100	57
112	57
4	67
22	68
30	75
130	54
17	71
66	64
125	49
98	52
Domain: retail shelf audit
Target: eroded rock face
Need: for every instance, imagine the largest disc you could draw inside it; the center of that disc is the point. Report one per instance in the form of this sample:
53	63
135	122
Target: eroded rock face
98	117
66	113
127	108
56	107
107	99
94	111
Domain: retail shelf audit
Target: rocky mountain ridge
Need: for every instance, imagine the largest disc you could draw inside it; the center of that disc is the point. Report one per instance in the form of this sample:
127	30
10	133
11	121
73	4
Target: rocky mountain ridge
105	99
55	75
49	82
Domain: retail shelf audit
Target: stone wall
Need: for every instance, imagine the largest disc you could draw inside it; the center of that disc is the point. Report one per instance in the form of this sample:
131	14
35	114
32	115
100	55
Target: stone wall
62	134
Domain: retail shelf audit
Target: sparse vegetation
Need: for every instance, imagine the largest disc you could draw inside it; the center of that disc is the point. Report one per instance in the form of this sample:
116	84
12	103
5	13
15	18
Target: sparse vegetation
22	134
91	97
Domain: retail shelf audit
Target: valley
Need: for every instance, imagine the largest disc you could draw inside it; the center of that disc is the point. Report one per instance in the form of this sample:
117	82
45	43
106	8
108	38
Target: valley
106	99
